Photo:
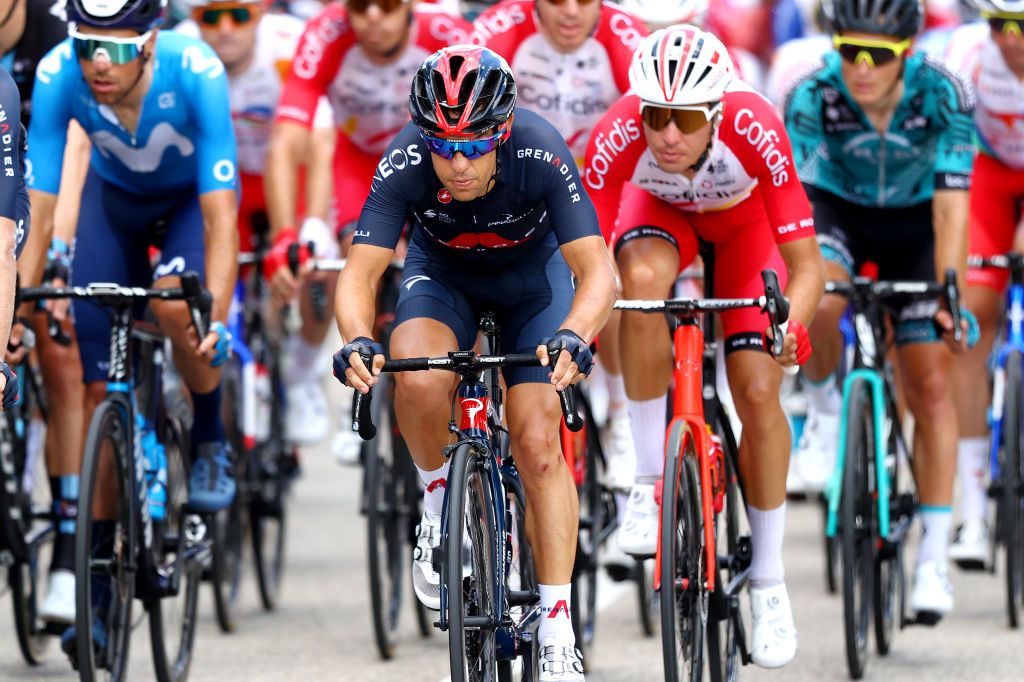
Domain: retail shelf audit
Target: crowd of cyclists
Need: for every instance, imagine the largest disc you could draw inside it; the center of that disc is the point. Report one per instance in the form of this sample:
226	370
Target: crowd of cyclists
538	159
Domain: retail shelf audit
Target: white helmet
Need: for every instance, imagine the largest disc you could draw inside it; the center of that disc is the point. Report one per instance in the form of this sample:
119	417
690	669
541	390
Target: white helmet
999	6
680	66
663	13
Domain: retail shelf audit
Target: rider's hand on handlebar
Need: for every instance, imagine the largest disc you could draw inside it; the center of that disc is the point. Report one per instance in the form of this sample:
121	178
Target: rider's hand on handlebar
10	386
57	274
796	346
284	285
350	369
17	350
573	365
216	347
968	324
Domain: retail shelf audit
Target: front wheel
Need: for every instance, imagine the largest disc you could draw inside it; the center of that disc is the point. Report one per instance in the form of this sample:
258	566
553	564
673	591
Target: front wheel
469	570
683	607
856	527
23	577
106	545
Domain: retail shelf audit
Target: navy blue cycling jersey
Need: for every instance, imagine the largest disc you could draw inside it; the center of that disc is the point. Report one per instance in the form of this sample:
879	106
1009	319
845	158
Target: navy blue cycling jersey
13	192
537	191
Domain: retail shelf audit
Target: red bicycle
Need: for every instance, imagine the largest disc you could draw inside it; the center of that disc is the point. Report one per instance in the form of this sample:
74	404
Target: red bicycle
701	495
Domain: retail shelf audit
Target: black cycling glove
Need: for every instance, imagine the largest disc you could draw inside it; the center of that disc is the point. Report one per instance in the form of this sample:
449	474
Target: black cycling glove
361	345
11	389
573	343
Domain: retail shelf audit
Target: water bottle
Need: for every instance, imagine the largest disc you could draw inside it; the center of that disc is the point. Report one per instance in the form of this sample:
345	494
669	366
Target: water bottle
155	462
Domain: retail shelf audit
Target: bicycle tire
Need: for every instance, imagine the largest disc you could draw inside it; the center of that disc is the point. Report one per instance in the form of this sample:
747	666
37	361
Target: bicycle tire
23	579
890	574
269	534
723	636
833	555
472	655
108	439
856	528
591	523
682	561
384	526
522	563
647	603
171	637
16	514
226	568
1012	524
414	503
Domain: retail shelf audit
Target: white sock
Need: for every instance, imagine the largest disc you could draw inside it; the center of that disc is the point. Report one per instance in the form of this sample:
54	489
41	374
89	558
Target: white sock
620	507
434	484
971	465
555	616
616	392
303	360
935	523
823	396
767	528
648	421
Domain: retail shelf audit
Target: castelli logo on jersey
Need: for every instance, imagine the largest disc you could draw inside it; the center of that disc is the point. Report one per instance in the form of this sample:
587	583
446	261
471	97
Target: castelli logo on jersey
444	196
502	19
622	134
764	141
314	44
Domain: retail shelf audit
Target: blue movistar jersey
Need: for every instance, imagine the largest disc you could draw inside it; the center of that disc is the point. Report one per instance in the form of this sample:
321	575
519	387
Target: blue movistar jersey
184	137
927	146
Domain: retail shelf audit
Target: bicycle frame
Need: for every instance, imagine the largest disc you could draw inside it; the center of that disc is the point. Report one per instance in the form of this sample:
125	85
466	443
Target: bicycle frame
1014	342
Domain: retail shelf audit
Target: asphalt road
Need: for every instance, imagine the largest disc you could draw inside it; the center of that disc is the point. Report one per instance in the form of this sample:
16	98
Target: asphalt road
322	629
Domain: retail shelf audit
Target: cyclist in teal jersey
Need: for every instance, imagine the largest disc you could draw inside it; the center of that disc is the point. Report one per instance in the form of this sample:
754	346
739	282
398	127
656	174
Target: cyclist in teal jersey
882	141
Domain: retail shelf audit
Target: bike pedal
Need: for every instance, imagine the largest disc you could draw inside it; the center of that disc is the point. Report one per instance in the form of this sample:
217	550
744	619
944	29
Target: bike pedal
618	573
971	565
54	629
928	618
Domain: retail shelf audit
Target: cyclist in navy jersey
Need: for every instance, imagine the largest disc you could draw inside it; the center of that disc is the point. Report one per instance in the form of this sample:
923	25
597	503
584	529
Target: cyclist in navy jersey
13	216
500	221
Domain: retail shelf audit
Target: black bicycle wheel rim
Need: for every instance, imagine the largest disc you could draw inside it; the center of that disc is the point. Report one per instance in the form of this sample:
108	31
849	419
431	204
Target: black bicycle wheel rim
682	562
856	529
172	620
23	577
269	535
107	449
591	523
15	508
472	654
384	524
833	555
888	591
1010	501
723	638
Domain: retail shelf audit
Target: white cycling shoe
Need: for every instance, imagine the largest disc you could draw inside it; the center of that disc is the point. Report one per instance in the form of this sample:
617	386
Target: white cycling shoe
972	549
59	605
560	661
346	446
638	535
307	419
816	456
774	633
621	457
426	583
932	593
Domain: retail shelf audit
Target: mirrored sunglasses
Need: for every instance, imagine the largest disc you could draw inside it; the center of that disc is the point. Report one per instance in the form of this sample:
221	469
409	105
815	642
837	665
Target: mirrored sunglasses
874	52
688	120
239	15
117	50
471	149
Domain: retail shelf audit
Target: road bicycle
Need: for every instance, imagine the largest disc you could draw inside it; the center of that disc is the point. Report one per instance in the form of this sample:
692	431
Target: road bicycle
702	560
121	551
489	598
27	528
1006	456
871	499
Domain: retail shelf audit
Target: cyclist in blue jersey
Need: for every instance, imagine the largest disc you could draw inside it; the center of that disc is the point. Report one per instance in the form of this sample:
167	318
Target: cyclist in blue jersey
500	221
882	141
162	173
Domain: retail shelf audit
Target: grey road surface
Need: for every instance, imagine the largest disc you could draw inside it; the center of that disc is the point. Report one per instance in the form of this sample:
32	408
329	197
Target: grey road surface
322	628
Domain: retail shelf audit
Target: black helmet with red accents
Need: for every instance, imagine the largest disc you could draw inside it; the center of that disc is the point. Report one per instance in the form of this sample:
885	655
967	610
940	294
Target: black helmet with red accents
462	91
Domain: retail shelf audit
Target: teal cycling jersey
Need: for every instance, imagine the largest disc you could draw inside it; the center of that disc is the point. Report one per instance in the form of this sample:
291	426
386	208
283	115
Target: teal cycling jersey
927	146
184	137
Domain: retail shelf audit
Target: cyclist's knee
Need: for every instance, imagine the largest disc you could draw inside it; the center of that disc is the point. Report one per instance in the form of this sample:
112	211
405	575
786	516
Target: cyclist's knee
95	392
928	391
422	388
641	279
536	449
755	392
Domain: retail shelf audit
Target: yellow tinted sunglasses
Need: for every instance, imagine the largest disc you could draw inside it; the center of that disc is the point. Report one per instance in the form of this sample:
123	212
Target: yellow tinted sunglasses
873	52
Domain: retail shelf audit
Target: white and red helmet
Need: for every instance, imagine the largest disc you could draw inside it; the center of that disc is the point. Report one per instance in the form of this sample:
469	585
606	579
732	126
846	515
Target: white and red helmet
680	66
663	13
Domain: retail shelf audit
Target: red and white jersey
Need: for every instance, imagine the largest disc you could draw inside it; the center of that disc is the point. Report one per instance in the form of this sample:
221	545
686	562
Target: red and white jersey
999	104
749	150
255	92
572	91
369	101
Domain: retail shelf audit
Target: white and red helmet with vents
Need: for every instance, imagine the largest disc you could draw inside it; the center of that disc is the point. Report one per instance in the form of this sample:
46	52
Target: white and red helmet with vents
680	66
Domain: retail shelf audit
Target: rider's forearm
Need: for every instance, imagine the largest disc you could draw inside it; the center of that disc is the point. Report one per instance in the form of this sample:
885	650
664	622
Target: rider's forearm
33	255
72	179
355	306
950	210
806	284
319	178
220	217
8	278
281	179
596	287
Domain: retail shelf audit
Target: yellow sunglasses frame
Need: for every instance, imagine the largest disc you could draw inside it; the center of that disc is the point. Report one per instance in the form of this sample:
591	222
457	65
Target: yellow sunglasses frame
898	48
1014	22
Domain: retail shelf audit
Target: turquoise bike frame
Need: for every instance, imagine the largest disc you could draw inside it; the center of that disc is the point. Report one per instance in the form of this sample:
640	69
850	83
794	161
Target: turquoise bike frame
834	488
